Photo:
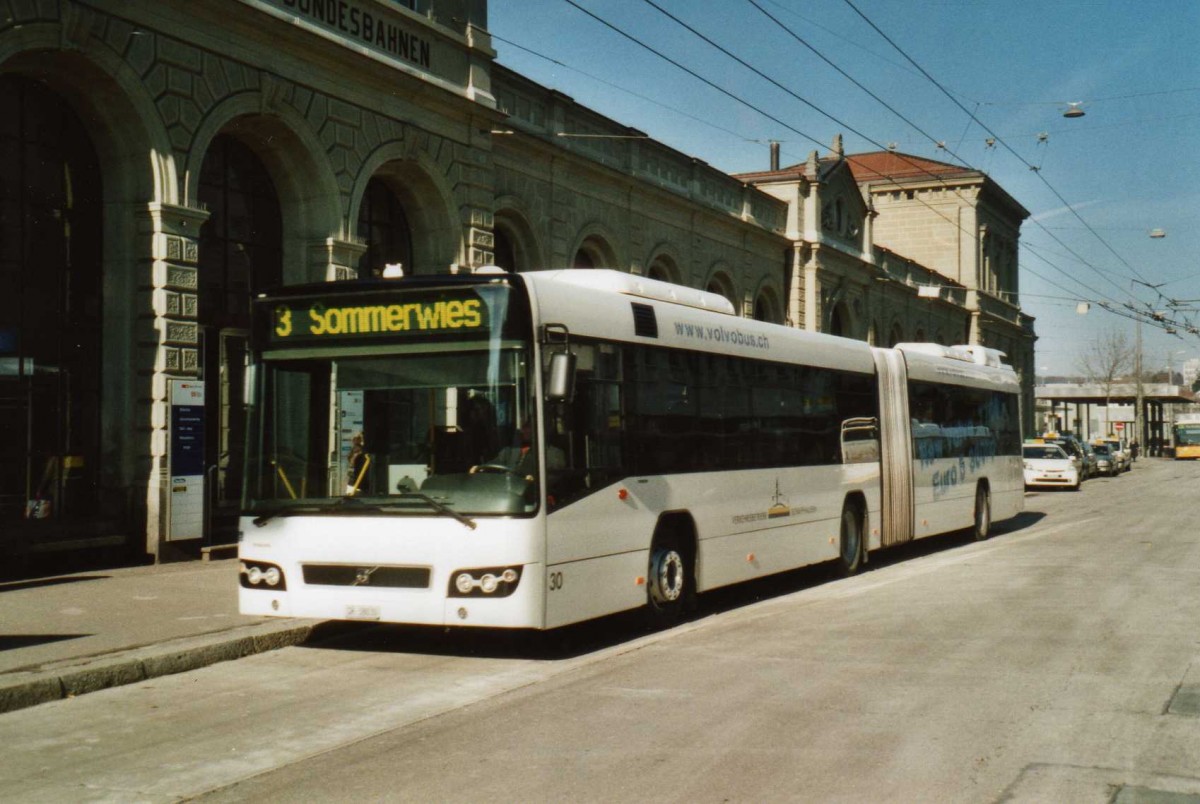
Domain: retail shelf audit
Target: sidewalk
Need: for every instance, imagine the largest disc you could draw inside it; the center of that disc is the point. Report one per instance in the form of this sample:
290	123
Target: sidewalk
67	635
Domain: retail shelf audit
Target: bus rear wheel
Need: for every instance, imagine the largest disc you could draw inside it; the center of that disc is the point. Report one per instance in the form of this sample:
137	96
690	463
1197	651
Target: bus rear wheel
851	551
983	513
670	586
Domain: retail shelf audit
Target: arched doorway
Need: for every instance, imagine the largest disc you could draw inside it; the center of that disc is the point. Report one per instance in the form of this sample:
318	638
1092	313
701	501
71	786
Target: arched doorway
50	315
504	250
240	254
383	223
515	245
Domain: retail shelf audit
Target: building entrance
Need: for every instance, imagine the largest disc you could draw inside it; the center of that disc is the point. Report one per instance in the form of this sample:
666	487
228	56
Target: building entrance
50	319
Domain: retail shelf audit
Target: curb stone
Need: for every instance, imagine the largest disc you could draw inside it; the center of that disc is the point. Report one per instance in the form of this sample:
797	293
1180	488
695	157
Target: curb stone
69	678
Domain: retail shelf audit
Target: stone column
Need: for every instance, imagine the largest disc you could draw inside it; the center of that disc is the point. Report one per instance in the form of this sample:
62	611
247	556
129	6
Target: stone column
169	317
481	240
795	301
337	259
812	293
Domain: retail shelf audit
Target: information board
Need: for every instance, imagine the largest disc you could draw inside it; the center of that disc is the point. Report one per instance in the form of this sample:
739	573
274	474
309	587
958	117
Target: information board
185	498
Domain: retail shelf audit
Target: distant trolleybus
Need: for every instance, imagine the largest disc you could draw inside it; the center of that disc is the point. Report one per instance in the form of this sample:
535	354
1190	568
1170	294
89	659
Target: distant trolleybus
533	450
1186	436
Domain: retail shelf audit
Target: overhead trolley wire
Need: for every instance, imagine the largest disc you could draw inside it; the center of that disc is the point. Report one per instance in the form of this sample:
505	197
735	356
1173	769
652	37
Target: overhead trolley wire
886	105
775	119
985	127
638	95
858	84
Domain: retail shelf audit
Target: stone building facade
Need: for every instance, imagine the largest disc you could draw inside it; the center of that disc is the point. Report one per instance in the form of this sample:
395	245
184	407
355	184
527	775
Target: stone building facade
165	160
963	225
890	247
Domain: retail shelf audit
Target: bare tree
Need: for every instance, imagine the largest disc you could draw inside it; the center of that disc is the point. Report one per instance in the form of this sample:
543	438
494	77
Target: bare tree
1109	356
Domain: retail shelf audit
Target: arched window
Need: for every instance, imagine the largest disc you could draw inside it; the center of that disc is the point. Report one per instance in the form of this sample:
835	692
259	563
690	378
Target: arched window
240	245
241	253
767	307
839	321
896	336
594	252
663	269
50	315
384	226
720	284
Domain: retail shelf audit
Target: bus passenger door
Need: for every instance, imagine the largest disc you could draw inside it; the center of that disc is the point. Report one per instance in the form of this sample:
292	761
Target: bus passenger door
593	536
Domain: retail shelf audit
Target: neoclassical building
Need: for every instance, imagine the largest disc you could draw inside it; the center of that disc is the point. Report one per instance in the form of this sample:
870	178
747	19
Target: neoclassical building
891	247
163	162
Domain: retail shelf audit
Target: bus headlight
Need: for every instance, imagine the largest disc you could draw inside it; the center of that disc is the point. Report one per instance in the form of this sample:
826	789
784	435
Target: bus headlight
260	574
485	582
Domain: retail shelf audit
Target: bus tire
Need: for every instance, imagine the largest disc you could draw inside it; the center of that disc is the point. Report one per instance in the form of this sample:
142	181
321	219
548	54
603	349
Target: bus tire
850	551
982	527
670	581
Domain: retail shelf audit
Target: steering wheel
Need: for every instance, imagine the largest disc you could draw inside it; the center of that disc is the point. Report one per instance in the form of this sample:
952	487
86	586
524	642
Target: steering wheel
492	467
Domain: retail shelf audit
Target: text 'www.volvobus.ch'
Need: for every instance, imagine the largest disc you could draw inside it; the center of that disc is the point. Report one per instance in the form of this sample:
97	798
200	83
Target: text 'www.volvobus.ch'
722	335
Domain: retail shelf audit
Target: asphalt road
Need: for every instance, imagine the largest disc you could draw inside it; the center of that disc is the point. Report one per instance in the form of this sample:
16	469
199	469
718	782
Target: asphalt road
1055	662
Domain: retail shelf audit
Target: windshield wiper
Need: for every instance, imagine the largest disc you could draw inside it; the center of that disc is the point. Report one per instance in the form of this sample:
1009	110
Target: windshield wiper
355	505
331	508
439	507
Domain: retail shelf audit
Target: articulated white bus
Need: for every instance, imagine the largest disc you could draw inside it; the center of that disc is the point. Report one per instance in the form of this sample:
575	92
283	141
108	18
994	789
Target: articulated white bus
533	450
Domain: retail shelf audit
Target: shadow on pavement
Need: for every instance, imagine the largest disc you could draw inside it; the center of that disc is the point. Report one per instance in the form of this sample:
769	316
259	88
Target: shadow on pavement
14	641
576	640
16	586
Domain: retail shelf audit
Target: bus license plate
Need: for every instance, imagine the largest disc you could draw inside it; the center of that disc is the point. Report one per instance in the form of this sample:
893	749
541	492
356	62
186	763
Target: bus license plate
354	612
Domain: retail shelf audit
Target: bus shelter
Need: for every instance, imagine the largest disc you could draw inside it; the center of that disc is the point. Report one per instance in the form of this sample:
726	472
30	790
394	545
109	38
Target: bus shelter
1090	410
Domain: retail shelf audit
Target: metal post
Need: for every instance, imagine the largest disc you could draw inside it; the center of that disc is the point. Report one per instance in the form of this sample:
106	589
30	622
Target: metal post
1139	423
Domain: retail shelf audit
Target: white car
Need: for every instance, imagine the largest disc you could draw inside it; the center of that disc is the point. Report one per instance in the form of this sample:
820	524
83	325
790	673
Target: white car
1049	465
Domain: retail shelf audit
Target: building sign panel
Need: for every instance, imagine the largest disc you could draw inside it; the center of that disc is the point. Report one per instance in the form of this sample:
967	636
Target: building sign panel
367	24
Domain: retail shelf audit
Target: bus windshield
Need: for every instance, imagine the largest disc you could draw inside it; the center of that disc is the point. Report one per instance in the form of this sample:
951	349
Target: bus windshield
432	424
1187	435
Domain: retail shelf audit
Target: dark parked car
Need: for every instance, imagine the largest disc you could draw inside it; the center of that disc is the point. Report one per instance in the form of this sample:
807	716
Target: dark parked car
1106	462
1074	448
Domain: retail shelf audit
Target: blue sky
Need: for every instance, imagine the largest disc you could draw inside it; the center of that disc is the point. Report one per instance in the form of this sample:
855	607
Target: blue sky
1129	166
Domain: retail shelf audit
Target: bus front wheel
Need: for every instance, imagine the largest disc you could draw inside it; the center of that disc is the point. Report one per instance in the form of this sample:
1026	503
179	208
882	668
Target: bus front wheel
669	587
983	513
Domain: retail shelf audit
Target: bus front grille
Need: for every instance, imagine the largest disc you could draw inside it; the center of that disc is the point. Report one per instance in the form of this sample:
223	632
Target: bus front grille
350	575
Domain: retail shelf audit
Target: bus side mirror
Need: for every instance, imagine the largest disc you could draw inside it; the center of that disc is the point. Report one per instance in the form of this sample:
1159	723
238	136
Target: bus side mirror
560	380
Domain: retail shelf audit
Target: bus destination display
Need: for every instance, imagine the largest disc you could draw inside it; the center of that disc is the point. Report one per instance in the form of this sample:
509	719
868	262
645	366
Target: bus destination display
309	320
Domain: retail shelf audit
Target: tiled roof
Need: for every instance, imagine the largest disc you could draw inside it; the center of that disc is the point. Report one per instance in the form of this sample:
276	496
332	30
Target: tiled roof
892	165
